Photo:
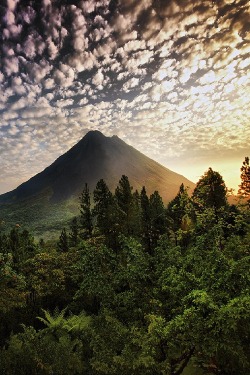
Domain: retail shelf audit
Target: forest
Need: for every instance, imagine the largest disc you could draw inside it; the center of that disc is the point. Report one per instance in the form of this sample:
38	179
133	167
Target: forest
132	287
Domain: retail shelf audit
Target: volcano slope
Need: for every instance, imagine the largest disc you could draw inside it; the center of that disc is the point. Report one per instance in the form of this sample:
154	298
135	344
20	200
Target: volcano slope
50	199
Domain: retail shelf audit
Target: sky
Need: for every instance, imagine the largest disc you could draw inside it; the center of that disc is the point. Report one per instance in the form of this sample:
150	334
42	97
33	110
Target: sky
171	78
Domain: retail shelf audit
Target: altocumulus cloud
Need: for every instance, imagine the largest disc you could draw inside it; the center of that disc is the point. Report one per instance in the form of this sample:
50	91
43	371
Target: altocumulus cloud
169	77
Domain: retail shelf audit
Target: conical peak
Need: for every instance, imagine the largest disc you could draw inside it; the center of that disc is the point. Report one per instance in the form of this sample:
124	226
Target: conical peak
94	157
94	134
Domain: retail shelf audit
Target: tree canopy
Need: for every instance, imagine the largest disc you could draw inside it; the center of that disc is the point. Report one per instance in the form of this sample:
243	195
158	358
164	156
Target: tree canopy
244	187
134	288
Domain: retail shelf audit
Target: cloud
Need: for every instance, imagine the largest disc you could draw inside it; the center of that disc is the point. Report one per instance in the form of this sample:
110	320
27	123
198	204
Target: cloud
10	65
52	48
133	82
11	4
9	18
38	72
64	103
171	72
64	76
83	61
17	86
27	14
29	47
98	79
87	6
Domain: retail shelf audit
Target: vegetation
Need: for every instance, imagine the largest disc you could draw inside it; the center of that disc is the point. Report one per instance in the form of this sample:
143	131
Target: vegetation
244	187
131	287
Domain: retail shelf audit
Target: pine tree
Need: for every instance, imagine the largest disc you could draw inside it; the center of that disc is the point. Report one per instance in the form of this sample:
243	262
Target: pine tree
62	244
14	245
42	243
85	213
145	220
177	208
210	191
158	217
103	208
244	187
74	234
136	217
180	215
124	197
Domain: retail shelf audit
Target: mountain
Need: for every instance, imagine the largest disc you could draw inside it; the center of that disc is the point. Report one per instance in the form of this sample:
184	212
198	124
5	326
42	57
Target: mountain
51	197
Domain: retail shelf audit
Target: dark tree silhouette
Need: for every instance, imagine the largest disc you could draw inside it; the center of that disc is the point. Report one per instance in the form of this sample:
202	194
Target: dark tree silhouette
244	187
85	213
63	244
210	191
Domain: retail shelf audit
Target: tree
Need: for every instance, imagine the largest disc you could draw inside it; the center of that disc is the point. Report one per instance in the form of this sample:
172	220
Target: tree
63	244
176	209
106	213
244	187
136	217
124	197
60	348
50	279
145	220
74	234
160	311
158	217
210	191
180	215
102	199
12	285
85	213
20	244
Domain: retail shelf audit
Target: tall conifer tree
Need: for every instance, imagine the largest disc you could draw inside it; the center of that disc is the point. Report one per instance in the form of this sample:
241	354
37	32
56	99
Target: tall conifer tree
63	244
85	213
244	187
74	234
124	197
158	217
102	211
145	220
210	191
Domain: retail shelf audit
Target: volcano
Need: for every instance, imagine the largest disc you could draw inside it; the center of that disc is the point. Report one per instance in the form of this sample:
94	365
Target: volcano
51	197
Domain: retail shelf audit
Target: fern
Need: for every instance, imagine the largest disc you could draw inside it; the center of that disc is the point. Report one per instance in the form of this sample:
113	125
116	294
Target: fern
57	320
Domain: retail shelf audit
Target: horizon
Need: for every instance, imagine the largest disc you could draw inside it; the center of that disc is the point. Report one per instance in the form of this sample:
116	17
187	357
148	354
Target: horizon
170	79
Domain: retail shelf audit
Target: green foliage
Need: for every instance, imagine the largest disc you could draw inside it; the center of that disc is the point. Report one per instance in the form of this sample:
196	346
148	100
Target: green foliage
145	219
12	285
153	219
165	291
58	323
85	213
124	198
63	243
244	187
210	191
57	349
50	279
19	243
74	234
106	213
39	215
